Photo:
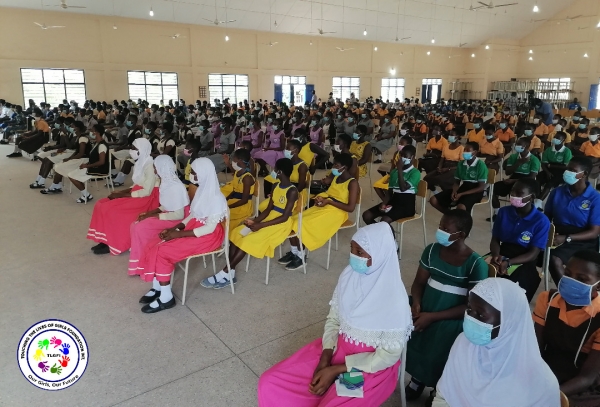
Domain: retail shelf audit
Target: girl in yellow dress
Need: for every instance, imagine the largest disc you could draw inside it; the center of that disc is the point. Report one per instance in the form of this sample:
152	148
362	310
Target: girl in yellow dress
260	236
239	191
323	220
381	185
361	149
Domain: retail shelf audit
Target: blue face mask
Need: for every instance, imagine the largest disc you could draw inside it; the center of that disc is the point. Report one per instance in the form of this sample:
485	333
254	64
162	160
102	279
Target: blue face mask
273	175
575	292
467	155
477	332
222	126
355	136
147	131
443	237
287	154
519	149
56	126
556	141
451	139
476	126
129	123
570	178
335	172
359	264
350	119
528	132
582	126
502	125
406	161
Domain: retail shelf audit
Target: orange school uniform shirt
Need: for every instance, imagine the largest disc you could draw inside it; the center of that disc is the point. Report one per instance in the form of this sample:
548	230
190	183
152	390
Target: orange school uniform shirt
541	130
453	155
591	150
101	115
420	128
41	125
494	147
505	135
449	126
536	143
477	137
437	145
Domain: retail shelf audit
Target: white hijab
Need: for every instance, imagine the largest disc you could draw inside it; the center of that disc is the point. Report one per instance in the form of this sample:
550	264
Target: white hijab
373	308
510	370
144	148
172	193
209	204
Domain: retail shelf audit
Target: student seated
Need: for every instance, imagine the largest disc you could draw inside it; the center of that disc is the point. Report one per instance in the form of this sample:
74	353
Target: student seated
554	162
443	175
399	199
498	345
174	206
521	164
477	134
535	144
238	192
591	149
361	149
491	149
381	185
331	209
470	179
206	139
32	141
112	216
200	232
224	146
67	143
272	149
17	122
579	133
561	126
520	232
574	209
437	143
420	130
567	327
358	337
267	231
506	135
385	139
447	271
541	130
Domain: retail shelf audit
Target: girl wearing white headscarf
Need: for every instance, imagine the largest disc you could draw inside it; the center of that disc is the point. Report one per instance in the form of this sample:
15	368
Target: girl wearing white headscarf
198	233
367	327
113	216
174	206
496	361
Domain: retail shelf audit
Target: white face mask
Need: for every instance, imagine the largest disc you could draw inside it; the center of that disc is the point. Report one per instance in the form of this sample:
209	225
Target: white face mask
193	179
337	148
235	166
558	127
135	154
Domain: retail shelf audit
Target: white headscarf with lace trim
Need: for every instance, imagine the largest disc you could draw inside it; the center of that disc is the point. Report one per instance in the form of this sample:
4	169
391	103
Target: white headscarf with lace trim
209	204
144	149
373	308
172	193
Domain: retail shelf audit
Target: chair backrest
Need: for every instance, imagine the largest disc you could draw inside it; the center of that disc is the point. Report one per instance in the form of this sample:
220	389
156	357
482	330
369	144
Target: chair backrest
469	126
375	122
491	177
564	401
492	271
256	193
551	233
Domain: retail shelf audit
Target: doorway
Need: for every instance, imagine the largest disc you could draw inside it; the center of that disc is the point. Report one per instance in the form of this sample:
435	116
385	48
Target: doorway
290	89
431	89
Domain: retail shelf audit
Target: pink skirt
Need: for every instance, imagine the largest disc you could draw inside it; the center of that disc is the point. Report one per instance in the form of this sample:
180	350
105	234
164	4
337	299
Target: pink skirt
287	382
158	258
143	233
111	219
269	156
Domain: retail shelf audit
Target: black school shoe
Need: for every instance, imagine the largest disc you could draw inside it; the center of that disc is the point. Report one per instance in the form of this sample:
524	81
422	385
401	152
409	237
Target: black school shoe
99	246
147	309
289	256
412	394
13	155
295	264
102	250
147	299
50	191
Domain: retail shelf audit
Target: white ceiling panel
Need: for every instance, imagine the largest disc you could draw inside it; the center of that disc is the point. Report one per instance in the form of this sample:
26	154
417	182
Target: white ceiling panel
449	21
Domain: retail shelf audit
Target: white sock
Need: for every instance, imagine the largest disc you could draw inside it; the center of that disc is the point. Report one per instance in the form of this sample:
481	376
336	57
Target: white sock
40	180
231	274
221	276
379	156
85	193
120	178
165	293
114	171
538	203
56	186
17	149
295	250
496	211
155	284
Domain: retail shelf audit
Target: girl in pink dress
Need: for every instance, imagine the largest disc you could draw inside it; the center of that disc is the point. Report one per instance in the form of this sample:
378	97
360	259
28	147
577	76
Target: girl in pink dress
200	232
316	132
256	135
274	146
174	206
367	327
112	216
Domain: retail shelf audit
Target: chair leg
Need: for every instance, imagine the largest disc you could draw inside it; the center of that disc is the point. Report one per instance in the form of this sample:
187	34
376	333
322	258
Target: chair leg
546	267
401	238
402	374
267	277
187	266
280	255
424	231
214	265
328	253
336	241
204	260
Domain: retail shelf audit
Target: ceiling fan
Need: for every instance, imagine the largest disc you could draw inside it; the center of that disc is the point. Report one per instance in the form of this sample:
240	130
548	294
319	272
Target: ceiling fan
271	43
454	56
63	4
462	44
174	36
491	4
342	49
319	30
45	27
218	22
402	39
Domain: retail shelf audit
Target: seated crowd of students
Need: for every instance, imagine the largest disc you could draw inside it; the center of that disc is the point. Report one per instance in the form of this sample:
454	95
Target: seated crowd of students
469	337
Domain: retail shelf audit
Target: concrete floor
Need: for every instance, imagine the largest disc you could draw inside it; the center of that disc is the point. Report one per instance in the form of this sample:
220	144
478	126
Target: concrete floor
209	352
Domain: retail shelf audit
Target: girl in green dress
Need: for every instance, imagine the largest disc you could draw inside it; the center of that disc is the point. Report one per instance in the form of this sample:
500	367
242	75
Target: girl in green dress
447	271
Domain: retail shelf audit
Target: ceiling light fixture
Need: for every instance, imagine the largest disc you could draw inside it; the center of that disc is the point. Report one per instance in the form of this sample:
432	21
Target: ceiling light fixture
365	32
585	55
392	71
598	25
114	26
227	38
531	51
531	58
375	49
310	42
536	9
151	12
433	40
472	55
487	47
428	52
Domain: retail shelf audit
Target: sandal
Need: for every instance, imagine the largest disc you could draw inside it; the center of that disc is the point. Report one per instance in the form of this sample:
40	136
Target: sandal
84	200
35	185
49	191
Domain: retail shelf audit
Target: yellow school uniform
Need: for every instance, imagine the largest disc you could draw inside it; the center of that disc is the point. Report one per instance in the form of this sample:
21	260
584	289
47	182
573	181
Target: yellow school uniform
476	136
236	186
358	150
263	242
382	183
295	179
306	154
320	223
590	150
438	145
536	143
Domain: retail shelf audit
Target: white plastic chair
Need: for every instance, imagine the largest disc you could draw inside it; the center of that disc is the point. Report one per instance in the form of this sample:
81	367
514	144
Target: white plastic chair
224	249
546	263
107	177
401	375
422	194
346	225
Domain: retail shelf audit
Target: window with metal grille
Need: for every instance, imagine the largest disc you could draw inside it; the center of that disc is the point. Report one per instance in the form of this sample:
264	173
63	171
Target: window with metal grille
343	86
152	86
228	86
52	85
392	89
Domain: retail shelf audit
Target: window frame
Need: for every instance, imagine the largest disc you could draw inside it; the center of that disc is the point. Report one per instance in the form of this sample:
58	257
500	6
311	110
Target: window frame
235	86
396	87
338	90
44	83
556	85
145	85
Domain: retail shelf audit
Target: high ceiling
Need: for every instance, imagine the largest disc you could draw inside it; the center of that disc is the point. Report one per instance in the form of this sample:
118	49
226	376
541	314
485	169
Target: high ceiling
449	22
